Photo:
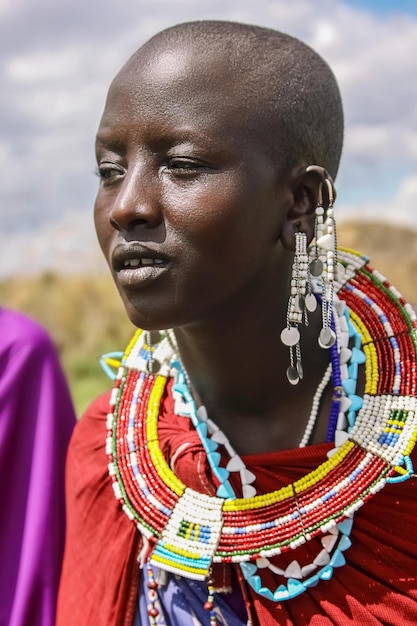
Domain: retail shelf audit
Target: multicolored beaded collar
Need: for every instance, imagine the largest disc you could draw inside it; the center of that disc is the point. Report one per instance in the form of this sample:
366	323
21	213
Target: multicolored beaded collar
187	531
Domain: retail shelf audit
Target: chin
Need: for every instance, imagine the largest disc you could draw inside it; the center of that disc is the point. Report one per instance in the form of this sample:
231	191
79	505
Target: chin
149	318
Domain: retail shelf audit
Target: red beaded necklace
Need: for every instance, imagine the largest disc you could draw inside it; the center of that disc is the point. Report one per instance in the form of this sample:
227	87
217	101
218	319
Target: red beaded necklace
187	531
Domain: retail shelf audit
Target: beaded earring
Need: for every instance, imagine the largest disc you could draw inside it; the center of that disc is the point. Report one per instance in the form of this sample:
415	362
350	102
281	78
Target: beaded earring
323	268
300	301
325	263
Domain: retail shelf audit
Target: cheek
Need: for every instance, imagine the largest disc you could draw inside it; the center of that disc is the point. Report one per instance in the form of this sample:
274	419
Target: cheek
102	226
213	218
228	239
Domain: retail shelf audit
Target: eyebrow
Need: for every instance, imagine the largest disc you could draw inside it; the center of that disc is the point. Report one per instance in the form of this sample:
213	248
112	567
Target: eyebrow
109	138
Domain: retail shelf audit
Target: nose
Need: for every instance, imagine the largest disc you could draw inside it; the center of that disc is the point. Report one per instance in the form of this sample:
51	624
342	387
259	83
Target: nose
137	203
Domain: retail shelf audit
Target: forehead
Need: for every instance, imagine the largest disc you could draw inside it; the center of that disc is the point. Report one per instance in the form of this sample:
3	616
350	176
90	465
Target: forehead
180	82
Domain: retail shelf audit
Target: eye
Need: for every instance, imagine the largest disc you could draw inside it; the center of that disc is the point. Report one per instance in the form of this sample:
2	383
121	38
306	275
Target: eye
108	172
185	165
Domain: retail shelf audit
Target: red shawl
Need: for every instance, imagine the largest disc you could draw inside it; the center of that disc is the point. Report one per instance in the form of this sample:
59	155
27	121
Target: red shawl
378	585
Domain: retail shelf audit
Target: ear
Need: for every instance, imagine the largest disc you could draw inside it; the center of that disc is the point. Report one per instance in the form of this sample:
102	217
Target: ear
306	185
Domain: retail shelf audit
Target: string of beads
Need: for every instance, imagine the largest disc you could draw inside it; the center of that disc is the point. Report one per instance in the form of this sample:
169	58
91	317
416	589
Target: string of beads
187	531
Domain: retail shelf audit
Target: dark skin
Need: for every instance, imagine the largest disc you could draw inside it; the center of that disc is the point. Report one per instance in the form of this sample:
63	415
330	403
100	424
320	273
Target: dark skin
187	185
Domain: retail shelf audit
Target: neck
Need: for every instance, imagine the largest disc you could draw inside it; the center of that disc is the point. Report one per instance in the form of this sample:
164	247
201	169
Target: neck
237	368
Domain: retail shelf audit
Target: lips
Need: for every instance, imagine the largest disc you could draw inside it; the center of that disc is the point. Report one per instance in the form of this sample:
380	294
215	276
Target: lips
134	255
135	264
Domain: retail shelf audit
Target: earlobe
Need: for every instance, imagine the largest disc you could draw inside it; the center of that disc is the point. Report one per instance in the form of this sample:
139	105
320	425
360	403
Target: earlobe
300	216
311	186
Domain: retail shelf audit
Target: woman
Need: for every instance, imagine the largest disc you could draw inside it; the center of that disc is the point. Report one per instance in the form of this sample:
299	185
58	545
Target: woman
36	421
216	153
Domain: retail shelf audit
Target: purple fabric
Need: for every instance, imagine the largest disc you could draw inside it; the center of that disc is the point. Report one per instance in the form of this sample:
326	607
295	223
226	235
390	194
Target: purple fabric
36	421
181	603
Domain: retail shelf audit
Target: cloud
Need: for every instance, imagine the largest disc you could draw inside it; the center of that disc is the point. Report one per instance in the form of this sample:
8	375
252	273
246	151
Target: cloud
55	76
401	209
67	245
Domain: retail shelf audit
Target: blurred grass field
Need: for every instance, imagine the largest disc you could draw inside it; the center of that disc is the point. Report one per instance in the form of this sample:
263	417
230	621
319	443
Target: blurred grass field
85	317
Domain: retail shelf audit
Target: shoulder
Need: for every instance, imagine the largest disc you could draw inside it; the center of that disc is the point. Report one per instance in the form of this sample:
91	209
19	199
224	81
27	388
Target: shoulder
19	333
89	436
93	420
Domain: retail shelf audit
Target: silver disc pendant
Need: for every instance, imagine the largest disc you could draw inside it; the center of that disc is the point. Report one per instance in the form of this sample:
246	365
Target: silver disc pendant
292	375
290	336
299	302
311	302
326	338
300	370
316	267
153	366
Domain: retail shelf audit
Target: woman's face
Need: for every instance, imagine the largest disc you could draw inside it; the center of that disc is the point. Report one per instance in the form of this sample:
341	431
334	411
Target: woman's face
189	207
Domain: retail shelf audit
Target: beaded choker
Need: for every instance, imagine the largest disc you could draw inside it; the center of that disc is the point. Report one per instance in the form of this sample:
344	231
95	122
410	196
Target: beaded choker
186	531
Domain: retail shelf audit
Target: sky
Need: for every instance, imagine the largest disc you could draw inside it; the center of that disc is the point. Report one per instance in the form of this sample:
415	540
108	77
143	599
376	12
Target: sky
57	59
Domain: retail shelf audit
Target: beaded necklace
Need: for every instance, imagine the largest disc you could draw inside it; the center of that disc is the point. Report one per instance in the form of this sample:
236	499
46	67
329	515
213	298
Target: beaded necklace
186	531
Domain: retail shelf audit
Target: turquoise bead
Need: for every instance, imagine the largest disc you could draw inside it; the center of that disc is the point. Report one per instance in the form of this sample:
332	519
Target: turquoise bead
266	593
326	573
221	473
351	417
295	587
214	458
183	390
255	582
353	371
225	490
201	428
312	581
357	356
210	445
248	569
345	527
357	402
344	543
337	560
349	385
281	594
351	328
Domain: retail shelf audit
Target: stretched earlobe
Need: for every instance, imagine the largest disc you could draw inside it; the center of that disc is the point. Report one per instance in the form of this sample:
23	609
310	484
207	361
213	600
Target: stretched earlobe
326	192
306	189
312	187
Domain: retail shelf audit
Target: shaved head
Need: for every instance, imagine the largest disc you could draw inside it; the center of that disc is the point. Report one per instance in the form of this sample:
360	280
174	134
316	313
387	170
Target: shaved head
276	84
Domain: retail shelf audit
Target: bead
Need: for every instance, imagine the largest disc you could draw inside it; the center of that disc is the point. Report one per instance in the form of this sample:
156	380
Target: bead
379	329
326	242
152	584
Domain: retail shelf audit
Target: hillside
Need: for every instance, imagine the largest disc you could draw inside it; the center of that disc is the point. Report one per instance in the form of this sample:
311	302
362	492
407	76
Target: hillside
85	316
392	250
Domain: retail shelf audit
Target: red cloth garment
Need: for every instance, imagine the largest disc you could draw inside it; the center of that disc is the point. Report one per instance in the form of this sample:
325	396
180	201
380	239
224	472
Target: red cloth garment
378	585
100	575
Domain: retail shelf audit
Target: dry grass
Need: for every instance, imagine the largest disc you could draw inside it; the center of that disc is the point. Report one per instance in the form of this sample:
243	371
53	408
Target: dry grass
86	318
392	250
